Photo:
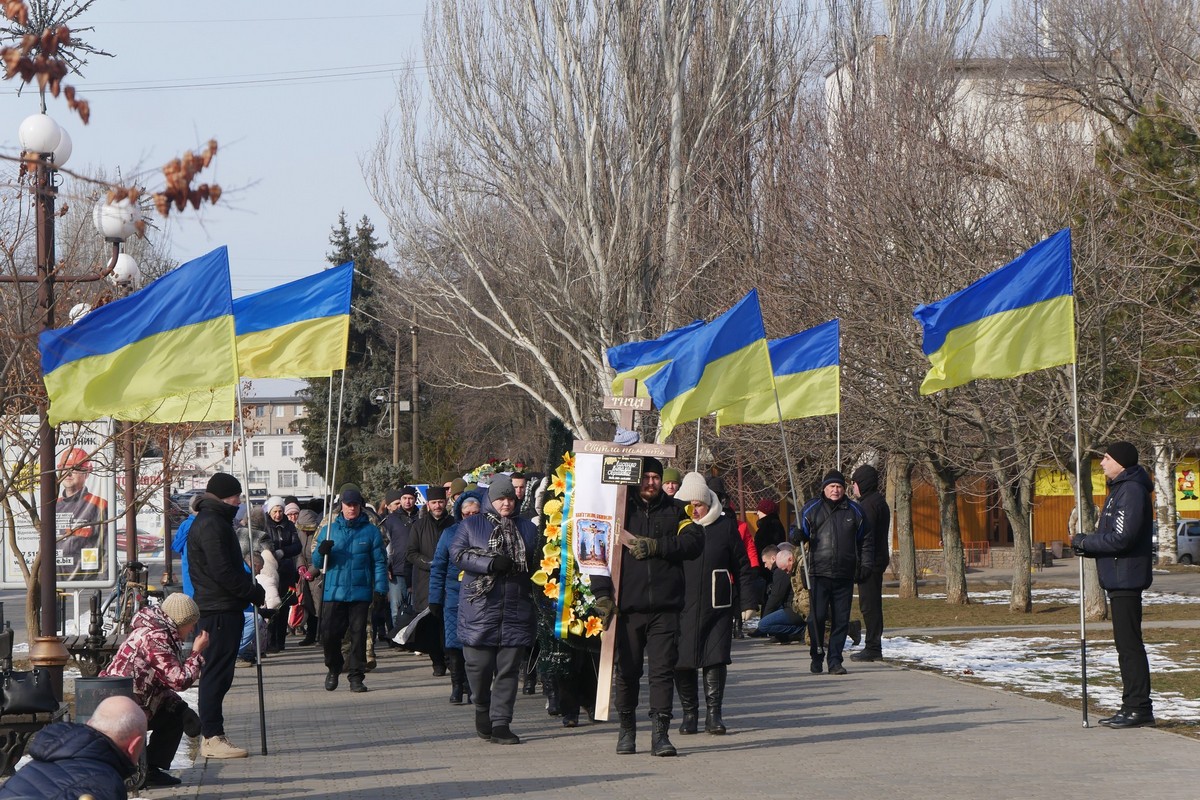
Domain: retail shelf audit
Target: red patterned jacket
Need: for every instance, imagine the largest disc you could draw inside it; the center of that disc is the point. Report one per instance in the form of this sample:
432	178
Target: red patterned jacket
153	656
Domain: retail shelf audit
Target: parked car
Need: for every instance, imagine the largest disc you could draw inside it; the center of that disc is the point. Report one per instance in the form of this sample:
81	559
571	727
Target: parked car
146	542
1187	540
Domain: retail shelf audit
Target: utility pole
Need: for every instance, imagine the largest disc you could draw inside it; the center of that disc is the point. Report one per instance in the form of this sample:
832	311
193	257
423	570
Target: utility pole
394	406
416	442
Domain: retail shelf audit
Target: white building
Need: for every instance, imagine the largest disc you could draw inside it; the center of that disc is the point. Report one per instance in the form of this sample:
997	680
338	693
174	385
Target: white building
273	458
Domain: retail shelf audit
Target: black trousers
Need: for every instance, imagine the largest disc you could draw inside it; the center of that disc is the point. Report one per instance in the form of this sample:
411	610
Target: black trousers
166	729
870	603
224	638
1131	651
336	618
577	686
653	636
830	601
277	626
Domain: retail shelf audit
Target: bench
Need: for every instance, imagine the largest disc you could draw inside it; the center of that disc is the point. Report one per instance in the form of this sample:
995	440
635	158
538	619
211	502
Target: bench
17	729
93	651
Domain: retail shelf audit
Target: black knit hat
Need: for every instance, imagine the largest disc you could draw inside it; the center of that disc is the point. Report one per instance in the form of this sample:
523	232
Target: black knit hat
223	485
392	496
408	490
833	476
1123	453
867	478
652	464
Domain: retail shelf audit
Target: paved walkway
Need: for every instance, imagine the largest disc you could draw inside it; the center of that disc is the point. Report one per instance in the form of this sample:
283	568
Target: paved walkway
881	731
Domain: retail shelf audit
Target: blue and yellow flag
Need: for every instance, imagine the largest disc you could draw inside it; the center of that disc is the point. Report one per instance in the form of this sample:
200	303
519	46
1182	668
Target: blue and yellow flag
163	354
1017	319
807	380
640	360
714	366
298	330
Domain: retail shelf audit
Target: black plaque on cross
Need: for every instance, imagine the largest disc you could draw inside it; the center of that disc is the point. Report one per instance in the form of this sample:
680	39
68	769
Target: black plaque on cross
627	403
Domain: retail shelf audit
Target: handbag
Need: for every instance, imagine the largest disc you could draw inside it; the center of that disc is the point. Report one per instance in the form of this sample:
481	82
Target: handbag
27	692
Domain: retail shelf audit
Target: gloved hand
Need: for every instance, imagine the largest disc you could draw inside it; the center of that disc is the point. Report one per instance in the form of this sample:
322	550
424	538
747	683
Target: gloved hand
501	565
435	610
644	547
861	574
258	597
747	615
267	613
279	554
605	610
325	547
1077	544
380	599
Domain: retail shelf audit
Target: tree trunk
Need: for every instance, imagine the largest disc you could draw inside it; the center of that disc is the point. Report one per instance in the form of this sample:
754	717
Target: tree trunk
1015	498
952	546
1165	513
1095	605
900	467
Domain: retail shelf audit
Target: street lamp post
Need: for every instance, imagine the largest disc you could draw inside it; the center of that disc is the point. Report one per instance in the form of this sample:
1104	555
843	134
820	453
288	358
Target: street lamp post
46	148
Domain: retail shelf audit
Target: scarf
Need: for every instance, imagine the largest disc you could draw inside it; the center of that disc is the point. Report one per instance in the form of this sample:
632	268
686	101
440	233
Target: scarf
505	539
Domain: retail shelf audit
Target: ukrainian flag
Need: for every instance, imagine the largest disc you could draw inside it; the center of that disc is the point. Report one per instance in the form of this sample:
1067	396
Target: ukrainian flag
807	380
714	366
135	358
640	360
298	330
1017	319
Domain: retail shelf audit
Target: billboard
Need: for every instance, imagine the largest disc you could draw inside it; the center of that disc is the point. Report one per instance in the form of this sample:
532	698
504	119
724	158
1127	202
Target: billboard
85	551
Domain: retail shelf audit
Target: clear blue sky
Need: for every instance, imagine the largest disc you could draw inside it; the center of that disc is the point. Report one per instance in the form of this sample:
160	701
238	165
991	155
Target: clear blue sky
293	92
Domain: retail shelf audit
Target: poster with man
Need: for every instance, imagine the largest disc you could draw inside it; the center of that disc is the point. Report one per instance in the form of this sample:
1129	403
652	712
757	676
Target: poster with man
81	517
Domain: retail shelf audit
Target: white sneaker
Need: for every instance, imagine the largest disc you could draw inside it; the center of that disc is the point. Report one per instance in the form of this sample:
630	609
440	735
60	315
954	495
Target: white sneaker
220	747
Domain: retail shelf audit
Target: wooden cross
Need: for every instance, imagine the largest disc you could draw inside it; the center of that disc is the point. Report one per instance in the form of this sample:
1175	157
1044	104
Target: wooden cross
627	403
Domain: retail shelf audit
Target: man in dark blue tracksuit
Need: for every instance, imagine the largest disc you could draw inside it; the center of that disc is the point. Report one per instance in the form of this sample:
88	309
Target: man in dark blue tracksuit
841	550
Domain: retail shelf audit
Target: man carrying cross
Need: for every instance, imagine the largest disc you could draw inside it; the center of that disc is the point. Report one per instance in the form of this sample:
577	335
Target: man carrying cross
650	600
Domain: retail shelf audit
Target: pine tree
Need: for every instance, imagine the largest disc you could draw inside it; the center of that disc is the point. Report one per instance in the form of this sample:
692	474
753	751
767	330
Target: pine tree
364	456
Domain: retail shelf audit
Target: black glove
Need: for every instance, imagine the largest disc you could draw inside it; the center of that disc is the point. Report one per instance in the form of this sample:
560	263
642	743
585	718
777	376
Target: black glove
267	613
605	609
258	597
435	610
191	721
644	547
325	547
862	574
1077	544
501	565
380	599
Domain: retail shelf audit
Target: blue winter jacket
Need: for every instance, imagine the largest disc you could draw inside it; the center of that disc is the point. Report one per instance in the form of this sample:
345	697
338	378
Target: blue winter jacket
70	760
1123	542
357	565
445	576
505	616
179	545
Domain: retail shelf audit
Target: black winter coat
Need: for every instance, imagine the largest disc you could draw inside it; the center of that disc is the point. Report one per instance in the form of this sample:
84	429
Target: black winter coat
655	584
841	545
215	564
70	760
398	526
1122	544
286	539
770	532
717	585
879	519
422	544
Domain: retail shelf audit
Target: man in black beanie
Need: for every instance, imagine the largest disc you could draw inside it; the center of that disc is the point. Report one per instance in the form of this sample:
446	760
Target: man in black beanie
1123	548
223	589
841	549
652	595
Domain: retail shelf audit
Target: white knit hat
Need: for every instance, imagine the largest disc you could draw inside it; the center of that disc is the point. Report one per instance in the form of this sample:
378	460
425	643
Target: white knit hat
273	501
181	609
693	489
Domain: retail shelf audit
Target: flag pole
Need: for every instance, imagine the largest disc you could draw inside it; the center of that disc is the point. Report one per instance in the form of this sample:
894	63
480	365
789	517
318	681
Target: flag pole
239	431
696	462
1079	516
819	641
328	449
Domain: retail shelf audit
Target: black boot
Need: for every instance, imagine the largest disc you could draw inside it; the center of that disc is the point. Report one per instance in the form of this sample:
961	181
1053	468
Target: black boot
627	736
689	701
855	631
714	696
454	665
483	723
660	745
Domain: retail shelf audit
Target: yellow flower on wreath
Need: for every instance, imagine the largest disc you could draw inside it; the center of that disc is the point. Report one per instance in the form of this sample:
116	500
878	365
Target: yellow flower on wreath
575	627
540	578
593	627
550	564
553	508
551	589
